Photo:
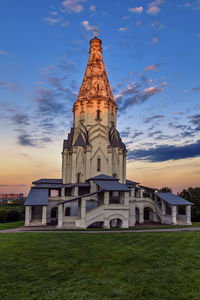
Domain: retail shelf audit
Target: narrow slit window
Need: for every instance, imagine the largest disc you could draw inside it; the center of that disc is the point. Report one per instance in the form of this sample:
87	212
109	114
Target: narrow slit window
98	114
98	164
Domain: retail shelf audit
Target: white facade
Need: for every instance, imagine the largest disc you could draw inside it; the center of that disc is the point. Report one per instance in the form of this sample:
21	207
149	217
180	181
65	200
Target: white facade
93	190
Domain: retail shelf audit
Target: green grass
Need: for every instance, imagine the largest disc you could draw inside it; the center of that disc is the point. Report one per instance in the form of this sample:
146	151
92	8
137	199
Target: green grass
149	266
148	227
10	225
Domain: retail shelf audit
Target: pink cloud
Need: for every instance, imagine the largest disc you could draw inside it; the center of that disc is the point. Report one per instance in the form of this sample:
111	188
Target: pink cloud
93	8
51	21
86	25
123	28
137	10
153	67
138	23
153	10
73	5
154	40
2	52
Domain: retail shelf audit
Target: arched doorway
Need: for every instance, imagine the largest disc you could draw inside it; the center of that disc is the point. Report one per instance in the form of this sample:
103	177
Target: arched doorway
116	223
148	214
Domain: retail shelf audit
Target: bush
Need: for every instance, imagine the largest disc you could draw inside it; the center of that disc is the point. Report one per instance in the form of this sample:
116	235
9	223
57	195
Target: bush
3	214
13	215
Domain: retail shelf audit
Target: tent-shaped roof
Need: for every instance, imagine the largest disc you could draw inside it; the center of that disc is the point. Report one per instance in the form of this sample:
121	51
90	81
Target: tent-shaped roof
37	197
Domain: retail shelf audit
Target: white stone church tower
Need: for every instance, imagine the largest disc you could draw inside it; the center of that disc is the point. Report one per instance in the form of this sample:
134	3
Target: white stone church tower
94	145
93	190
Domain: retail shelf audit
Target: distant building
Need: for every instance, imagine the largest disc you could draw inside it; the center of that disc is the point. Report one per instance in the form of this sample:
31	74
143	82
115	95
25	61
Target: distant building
11	196
93	190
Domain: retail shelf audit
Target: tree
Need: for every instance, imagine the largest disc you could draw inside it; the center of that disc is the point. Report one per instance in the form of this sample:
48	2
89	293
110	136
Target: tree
165	189
193	195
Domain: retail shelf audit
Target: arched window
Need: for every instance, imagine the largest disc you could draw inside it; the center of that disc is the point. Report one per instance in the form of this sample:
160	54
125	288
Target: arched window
98	164
115	175
98	114
68	211
54	212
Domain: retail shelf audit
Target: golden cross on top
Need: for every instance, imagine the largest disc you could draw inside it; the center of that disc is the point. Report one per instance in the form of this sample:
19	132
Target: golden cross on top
95	31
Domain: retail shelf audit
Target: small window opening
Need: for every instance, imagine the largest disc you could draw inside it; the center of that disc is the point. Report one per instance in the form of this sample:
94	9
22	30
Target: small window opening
98	164
98	114
68	211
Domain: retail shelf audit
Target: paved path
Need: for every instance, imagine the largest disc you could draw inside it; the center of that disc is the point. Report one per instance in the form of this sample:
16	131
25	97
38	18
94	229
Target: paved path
38	230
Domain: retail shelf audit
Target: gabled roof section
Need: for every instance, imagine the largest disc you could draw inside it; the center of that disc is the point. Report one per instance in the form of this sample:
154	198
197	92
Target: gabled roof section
103	177
37	197
95	82
80	141
112	185
173	199
48	181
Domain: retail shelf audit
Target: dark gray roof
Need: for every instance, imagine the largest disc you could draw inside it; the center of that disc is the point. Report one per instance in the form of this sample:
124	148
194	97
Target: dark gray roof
47	180
80	141
111	185
37	197
148	188
103	177
115	139
79	197
48	186
173	199
130	182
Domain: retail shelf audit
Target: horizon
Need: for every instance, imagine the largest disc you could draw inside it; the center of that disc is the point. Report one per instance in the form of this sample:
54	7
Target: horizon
151	53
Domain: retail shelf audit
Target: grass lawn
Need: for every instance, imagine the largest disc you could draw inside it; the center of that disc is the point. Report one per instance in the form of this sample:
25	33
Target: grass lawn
11	225
148	266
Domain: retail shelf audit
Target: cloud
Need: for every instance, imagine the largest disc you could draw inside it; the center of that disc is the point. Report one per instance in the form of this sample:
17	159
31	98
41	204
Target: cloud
153	67
152	118
20	119
132	95
198	35
138	23
154	40
123	28
51	21
86	25
136	134
2	52
93	7
195	89
27	140
153	10
10	85
73	5
67	65
162	153
137	10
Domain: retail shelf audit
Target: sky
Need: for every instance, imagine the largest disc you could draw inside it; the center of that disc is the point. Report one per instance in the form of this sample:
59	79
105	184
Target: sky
151	52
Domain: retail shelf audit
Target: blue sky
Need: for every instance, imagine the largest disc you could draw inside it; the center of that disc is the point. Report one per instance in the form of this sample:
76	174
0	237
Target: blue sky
151	52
